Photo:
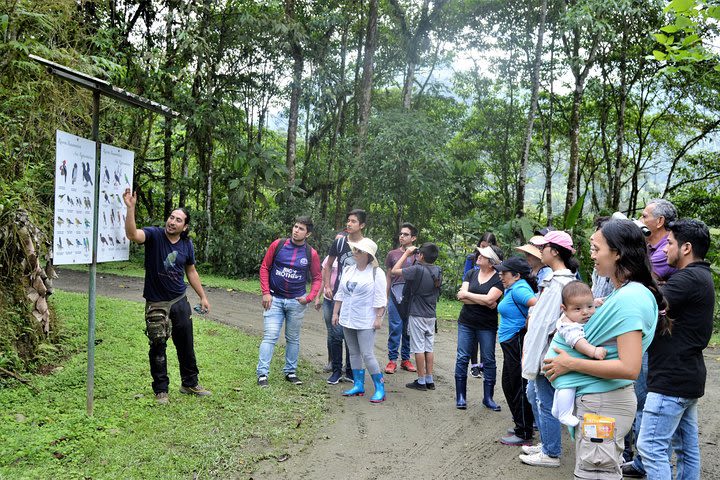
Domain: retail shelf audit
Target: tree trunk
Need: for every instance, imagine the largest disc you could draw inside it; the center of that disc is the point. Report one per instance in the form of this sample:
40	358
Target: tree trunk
547	144
367	78
296	89
167	167
522	174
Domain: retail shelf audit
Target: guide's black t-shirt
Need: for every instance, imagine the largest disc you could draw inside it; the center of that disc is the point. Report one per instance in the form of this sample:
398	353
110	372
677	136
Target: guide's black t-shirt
165	265
675	362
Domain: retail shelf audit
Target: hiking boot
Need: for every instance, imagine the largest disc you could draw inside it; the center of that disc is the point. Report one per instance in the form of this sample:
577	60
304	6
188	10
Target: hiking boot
391	367
334	379
415	385
263	381
407	365
540	460
629	471
198	390
162	398
531	449
476	372
292	378
515	441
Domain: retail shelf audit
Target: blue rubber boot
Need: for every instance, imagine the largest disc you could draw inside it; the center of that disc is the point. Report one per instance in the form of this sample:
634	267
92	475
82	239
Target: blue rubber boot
488	391
379	395
358	389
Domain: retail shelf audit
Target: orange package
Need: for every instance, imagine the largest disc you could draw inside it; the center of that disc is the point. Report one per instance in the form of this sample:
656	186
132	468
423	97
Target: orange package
596	426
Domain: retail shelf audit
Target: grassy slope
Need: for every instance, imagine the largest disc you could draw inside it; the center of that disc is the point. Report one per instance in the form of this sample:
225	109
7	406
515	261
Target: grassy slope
48	435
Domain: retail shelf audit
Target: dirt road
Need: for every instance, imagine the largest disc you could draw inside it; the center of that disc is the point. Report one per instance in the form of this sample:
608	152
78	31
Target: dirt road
413	434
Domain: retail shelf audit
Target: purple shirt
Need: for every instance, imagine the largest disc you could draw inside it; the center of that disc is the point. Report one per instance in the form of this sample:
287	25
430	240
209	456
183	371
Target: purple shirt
392	257
658	260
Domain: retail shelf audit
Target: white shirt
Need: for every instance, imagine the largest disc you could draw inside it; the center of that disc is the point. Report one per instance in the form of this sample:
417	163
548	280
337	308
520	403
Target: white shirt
360	295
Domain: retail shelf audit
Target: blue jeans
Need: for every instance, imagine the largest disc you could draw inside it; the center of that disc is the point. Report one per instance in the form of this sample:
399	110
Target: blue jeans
286	310
531	395
469	336
670	422
397	334
640	393
335	339
549	426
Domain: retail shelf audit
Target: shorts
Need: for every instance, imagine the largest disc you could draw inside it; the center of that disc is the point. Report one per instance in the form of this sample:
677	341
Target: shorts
422	334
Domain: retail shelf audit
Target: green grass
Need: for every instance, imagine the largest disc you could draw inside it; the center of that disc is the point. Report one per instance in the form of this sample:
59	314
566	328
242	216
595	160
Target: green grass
46	433
446	310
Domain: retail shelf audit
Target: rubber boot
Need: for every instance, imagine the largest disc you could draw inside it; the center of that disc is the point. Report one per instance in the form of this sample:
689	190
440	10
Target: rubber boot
488	391
358	389
379	381
460	392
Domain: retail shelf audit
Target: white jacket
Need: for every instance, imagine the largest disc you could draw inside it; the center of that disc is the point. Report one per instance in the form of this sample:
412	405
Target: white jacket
541	321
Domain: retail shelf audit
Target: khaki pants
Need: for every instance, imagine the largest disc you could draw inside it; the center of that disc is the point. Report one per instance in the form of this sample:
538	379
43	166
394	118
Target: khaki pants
602	460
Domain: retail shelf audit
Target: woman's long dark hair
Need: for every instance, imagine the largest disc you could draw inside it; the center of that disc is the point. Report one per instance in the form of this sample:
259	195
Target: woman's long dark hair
627	240
567	257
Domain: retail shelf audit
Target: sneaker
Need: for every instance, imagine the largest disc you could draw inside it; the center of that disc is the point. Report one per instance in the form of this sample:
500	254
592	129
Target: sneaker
327	368
162	398
515	441
407	365
346	379
540	460
629	470
476	372
430	386
198	390
417	386
262	381
292	378
391	367
531	449
334	379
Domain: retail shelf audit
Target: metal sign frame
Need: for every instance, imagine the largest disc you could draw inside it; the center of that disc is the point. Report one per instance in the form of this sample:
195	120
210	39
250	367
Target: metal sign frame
98	87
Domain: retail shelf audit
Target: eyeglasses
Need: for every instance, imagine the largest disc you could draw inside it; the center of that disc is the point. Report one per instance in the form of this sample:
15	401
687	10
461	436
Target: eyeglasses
405	234
542	247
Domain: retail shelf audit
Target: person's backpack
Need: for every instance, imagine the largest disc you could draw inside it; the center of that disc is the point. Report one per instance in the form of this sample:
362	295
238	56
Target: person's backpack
403	307
308	254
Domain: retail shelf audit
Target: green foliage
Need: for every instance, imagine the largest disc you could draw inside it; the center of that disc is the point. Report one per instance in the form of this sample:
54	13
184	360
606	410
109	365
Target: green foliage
48	435
687	40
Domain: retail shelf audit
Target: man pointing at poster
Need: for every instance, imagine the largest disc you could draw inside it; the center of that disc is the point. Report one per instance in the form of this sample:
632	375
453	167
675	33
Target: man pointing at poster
169	256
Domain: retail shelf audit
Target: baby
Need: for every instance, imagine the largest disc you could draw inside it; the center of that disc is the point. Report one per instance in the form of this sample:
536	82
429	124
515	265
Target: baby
577	306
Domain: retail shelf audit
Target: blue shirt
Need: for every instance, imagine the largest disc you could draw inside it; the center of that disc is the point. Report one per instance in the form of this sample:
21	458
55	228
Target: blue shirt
513	309
165	264
627	309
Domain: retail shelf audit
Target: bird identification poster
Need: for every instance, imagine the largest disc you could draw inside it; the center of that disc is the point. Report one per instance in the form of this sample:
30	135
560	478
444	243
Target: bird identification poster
74	192
116	174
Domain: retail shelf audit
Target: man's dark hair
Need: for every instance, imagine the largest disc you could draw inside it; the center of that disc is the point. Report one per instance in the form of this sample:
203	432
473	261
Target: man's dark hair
488	237
430	252
575	289
359	213
599	221
694	232
305	220
413	229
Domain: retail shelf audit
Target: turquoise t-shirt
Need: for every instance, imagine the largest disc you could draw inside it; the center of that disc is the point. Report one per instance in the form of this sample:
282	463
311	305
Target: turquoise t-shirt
627	309
513	309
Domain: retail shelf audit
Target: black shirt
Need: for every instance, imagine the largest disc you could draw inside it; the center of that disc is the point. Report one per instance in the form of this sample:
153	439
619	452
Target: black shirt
675	362
480	316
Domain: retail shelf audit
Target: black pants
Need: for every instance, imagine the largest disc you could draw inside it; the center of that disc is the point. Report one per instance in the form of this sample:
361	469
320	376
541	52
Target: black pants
514	386
182	336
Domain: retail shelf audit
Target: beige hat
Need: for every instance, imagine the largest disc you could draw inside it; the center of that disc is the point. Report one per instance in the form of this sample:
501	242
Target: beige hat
530	249
368	246
537	240
490	254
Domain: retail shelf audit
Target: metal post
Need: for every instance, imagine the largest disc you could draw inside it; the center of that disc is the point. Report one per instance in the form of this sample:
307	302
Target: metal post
93	265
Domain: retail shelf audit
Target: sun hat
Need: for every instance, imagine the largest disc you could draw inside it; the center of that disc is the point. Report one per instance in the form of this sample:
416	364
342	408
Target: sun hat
560	238
531	249
537	240
368	246
515	265
489	253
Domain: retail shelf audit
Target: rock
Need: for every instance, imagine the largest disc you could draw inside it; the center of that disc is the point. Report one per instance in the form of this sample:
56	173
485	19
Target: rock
20	418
